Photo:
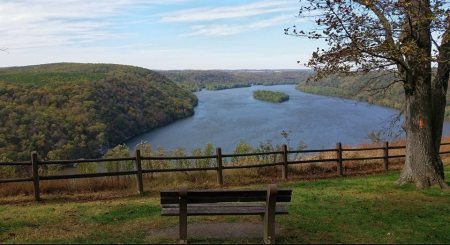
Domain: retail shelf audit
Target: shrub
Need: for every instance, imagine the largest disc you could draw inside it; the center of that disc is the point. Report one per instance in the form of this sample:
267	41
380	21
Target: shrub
7	171
118	152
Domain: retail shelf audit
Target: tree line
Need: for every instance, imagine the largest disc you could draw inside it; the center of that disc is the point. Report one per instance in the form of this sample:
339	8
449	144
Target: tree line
195	80
147	150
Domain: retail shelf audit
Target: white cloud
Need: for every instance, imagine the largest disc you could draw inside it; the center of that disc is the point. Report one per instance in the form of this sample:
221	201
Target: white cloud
38	23
217	30
178	58
43	31
228	12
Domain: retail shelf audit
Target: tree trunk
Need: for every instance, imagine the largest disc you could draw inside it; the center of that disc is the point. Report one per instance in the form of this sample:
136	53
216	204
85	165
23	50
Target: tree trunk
439	91
438	103
422	165
425	101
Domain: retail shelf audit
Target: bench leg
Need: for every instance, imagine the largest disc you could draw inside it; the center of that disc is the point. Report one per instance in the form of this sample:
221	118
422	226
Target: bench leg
183	229
269	216
183	217
269	229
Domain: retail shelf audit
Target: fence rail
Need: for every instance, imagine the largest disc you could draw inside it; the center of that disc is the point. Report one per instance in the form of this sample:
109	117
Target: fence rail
219	168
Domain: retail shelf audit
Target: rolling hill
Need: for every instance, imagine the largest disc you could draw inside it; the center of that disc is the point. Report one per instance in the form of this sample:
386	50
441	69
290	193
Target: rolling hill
71	110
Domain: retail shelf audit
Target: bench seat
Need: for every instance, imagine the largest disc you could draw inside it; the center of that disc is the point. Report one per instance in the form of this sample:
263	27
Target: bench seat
222	209
267	203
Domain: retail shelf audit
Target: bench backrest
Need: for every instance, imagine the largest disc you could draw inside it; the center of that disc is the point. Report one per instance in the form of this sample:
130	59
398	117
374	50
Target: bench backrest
214	196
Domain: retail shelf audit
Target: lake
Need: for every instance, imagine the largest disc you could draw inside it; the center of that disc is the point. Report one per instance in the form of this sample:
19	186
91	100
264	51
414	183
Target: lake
225	117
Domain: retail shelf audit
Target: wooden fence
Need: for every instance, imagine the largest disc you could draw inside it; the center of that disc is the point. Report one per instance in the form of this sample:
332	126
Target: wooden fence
219	168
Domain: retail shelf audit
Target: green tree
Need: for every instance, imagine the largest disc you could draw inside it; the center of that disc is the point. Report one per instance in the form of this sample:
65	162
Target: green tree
86	167
208	151
182	163
161	164
264	147
146	151
199	163
118	152
6	171
241	148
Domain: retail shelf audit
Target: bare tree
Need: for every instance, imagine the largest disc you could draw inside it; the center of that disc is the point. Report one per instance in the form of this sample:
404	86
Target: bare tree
408	37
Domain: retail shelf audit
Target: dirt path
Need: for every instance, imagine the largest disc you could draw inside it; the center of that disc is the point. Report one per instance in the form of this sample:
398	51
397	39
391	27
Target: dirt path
220	230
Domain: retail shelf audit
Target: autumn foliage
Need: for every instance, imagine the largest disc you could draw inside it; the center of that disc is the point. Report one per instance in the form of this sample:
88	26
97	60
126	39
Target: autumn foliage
70	111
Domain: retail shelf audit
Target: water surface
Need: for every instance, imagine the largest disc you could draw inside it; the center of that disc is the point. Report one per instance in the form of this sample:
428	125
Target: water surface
224	117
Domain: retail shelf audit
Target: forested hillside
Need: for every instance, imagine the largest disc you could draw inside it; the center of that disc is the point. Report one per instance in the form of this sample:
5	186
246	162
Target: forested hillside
72	110
374	88
195	80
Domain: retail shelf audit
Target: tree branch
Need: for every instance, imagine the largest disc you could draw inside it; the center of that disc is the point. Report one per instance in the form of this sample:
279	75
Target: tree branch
388	35
387	28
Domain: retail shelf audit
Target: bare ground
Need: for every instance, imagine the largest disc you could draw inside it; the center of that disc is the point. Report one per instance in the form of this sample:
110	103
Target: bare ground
220	230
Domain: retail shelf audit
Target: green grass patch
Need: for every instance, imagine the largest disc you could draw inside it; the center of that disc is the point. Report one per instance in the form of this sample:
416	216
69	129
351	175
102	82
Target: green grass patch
126	213
369	209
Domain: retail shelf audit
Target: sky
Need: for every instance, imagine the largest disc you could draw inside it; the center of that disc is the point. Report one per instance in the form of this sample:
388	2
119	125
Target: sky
156	34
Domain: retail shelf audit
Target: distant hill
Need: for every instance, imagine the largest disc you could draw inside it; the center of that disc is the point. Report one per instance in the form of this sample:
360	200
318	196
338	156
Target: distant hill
374	88
70	110
195	80
363	87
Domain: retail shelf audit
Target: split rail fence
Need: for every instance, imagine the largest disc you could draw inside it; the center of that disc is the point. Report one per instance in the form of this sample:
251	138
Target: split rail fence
34	162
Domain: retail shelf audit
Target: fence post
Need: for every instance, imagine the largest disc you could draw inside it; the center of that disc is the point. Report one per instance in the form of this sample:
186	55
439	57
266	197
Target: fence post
140	183
339	159
386	156
35	168
284	170
219	166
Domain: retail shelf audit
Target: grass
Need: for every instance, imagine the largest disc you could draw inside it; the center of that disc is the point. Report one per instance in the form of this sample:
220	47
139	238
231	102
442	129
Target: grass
368	210
361	209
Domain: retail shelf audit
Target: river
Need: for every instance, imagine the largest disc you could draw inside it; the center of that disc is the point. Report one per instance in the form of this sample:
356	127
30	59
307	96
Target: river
224	117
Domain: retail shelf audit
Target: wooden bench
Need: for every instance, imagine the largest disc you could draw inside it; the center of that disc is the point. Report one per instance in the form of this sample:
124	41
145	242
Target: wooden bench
185	203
